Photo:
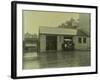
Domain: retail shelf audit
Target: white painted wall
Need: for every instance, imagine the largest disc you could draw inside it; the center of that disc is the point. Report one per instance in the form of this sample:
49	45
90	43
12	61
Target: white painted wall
42	43
81	46
60	40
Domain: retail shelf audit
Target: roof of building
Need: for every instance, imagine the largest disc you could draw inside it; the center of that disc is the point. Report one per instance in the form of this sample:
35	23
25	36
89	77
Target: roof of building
62	31
57	31
82	33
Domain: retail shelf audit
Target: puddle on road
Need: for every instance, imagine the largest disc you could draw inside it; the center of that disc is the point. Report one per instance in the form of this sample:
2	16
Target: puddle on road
56	59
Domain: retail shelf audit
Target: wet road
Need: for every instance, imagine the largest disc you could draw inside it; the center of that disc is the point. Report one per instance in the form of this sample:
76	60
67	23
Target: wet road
35	60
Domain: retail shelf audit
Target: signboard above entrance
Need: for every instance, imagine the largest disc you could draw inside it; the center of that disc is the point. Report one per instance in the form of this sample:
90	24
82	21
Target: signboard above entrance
57	31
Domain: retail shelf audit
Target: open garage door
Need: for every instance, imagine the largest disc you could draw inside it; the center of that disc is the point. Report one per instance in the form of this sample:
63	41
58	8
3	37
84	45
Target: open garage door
51	42
68	43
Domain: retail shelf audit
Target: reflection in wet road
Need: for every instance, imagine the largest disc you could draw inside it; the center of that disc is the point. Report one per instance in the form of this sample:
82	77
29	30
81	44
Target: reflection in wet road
56	59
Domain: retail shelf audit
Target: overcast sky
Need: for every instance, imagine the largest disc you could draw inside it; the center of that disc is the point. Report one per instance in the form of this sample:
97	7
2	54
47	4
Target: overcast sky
32	20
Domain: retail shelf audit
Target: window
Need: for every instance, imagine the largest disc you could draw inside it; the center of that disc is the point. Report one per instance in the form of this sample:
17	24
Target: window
80	40
84	40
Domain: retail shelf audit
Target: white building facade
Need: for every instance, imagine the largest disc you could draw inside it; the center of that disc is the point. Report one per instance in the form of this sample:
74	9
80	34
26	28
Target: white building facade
52	38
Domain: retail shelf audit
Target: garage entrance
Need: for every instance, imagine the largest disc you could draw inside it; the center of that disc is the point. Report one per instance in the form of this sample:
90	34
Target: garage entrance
68	43
51	42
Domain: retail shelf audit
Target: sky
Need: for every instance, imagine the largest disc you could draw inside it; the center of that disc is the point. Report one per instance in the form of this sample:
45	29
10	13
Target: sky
32	20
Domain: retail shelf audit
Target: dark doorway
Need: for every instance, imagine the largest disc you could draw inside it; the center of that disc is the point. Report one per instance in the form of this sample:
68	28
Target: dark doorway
51	42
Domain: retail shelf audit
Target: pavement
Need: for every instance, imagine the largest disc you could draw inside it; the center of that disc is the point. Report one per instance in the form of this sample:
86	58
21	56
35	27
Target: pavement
34	60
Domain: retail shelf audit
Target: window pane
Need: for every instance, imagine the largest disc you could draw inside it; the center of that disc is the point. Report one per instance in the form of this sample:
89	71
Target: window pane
79	40
84	40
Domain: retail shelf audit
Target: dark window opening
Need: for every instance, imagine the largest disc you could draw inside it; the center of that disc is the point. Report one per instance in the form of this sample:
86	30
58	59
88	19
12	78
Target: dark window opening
84	40
80	40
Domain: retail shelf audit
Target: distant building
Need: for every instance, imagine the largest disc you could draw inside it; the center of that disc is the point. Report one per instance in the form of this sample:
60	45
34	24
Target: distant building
53	38
30	42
